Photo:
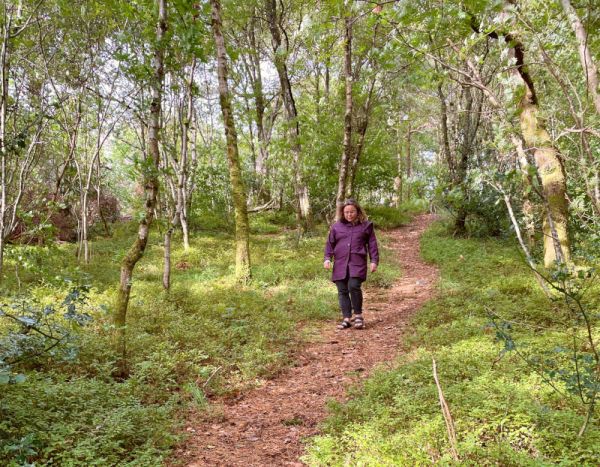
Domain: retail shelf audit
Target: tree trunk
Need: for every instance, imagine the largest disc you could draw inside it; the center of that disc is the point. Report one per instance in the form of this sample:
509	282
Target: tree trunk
347	144
184	165
398	179
445	143
592	180
151	185
356	153
585	57
528	206
86	192
4	67
591	78
549	166
553	177
408	161
167	258
242	229
327	77
469	124
99	204
303	209
362	127
259	108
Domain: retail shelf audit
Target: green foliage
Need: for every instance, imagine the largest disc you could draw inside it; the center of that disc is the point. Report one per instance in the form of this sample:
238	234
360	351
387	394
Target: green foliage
34	331
503	411
69	420
484	210
388	217
208	336
271	222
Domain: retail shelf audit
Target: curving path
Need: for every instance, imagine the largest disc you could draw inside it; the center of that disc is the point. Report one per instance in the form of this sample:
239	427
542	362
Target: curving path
266	426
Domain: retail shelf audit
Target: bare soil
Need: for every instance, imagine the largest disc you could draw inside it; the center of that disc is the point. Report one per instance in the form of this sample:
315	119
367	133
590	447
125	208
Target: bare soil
267	426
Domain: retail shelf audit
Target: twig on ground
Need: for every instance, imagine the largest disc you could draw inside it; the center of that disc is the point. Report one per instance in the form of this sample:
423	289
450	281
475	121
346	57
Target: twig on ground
446	413
211	377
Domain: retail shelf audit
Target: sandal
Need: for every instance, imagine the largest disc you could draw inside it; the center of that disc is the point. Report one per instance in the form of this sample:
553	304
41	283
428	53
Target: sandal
344	325
359	322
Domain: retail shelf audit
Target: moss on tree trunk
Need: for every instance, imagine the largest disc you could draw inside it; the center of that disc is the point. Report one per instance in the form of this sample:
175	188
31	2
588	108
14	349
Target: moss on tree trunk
242	228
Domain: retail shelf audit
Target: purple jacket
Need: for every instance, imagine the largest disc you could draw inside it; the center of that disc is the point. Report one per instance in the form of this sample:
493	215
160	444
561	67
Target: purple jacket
347	246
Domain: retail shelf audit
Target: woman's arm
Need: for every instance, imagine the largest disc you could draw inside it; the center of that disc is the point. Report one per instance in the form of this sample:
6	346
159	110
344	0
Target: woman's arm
373	248
330	246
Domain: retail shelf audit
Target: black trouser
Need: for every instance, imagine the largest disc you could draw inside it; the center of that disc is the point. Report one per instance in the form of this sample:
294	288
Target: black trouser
349	290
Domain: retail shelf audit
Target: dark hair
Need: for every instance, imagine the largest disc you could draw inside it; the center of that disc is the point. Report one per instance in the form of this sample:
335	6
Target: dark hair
361	214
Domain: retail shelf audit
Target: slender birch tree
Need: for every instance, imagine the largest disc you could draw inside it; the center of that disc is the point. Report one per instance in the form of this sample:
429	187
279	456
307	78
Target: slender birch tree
151	186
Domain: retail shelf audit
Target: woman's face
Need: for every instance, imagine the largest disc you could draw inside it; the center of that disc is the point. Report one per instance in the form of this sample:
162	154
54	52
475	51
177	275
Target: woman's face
350	213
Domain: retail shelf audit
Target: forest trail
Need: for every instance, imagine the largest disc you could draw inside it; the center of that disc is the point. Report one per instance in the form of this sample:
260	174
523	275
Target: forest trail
266	426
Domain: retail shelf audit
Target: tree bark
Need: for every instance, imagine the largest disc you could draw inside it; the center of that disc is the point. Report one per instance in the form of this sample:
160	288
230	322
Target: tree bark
408	161
547	159
399	178
553	177
303	208
167	259
242	229
549	166
185	172
151	186
259	107
528	206
585	57
592	180
444	130
361	130
13	25
4	69
347	144
468	126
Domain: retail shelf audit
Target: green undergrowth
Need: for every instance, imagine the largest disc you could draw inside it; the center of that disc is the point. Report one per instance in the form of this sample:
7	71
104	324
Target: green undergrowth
207	337
504	413
387	217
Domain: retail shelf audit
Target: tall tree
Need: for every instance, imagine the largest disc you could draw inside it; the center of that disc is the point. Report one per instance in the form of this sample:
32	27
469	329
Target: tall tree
179	183
280	53
151	186
590	71
585	57
14	20
242	228
349	102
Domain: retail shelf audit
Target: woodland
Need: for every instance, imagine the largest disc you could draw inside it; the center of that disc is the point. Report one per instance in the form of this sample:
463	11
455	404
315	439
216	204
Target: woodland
169	170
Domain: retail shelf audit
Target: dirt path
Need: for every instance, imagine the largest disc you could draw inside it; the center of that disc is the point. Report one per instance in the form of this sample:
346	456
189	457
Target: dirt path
266	426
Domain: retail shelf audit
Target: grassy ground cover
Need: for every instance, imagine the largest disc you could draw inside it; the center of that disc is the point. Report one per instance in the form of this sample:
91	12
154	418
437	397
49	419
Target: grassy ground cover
207	336
504	413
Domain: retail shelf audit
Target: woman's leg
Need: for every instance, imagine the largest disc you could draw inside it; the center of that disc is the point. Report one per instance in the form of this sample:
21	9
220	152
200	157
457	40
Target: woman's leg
344	298
356	294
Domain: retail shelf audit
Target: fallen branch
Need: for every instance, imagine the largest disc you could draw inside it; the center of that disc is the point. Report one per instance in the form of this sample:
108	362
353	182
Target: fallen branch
265	207
446	413
211	377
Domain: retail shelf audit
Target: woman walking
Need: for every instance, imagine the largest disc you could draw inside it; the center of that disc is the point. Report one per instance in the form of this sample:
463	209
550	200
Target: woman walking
349	241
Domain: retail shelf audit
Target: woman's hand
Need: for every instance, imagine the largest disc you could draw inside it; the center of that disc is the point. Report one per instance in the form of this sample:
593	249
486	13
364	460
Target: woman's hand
327	264
373	267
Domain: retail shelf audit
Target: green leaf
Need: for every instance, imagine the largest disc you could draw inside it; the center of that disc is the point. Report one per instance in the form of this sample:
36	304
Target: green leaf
20	378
